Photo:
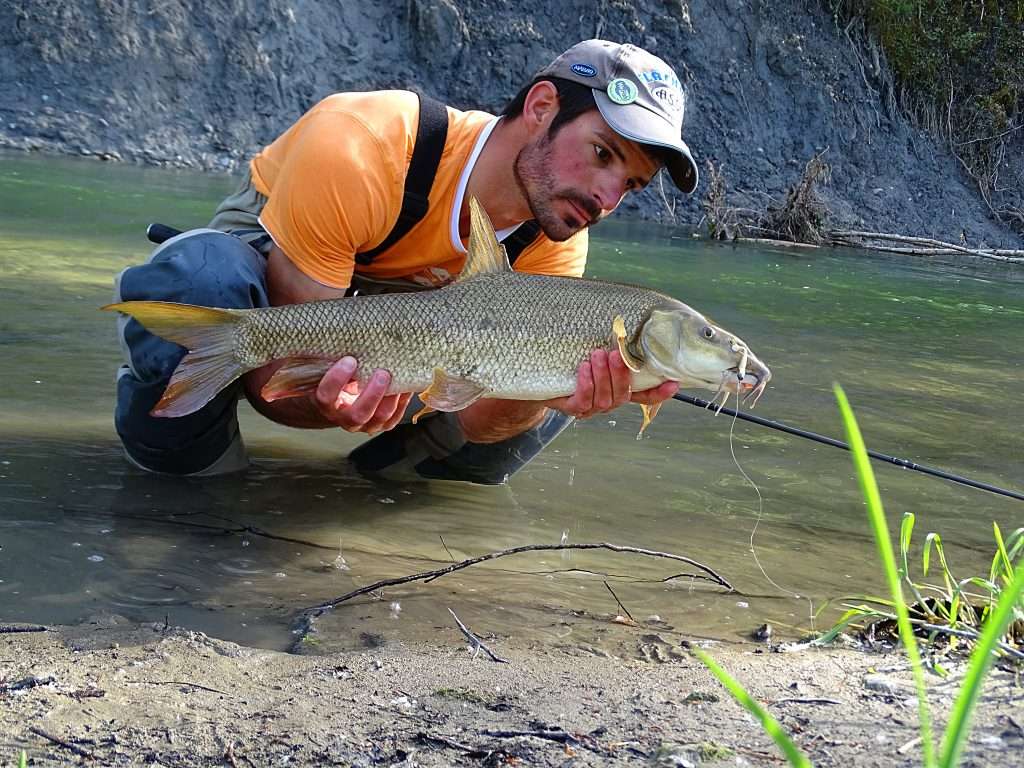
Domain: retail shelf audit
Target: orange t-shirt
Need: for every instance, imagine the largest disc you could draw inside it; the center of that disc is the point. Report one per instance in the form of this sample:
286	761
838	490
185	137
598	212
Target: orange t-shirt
334	183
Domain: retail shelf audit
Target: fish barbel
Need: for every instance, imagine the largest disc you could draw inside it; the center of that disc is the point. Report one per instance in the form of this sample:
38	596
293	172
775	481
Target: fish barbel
493	333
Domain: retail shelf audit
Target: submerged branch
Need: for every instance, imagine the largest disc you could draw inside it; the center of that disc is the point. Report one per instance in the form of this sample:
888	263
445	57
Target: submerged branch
928	246
428	576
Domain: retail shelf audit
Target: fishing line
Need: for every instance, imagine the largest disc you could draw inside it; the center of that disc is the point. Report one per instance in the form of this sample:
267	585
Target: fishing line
760	513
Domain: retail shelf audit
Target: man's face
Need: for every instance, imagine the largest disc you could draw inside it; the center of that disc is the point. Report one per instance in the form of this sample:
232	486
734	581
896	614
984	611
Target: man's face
580	175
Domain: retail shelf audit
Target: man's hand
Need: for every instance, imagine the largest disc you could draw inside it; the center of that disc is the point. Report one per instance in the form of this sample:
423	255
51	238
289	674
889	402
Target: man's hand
337	401
372	410
602	385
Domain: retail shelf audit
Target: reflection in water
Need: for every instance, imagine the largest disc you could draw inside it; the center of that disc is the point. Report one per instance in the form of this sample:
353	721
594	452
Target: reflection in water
927	355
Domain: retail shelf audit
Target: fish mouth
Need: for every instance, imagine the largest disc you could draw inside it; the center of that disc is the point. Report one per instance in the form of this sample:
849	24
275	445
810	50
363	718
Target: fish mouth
750	384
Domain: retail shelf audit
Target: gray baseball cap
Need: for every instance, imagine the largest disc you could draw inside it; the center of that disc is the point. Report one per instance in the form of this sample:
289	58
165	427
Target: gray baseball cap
638	94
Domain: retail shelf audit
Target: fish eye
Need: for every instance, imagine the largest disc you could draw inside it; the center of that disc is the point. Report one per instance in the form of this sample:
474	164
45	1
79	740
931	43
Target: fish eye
708	332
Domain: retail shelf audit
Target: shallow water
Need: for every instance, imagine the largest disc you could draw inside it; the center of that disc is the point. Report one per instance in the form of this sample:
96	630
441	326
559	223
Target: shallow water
929	354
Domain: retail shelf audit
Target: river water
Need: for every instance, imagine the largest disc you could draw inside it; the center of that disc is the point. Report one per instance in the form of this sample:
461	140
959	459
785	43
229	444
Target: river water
930	354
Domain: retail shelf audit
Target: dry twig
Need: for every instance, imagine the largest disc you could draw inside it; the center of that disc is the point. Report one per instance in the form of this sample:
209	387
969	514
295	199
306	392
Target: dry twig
181	682
66	744
428	576
624	609
806	701
723	220
10	629
32	681
476	642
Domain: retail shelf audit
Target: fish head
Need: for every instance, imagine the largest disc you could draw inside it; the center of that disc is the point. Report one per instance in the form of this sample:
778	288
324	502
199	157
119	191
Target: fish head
680	344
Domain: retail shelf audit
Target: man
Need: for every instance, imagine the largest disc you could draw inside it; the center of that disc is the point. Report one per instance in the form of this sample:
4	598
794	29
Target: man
321	216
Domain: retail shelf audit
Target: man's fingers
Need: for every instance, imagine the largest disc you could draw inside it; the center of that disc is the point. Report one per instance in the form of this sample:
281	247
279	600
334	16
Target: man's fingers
400	408
620	379
657	394
362	410
337	399
359	409
603	397
384	414
338	376
581	401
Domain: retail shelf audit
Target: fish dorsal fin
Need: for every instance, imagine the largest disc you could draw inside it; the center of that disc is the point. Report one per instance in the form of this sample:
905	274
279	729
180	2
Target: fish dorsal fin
485	252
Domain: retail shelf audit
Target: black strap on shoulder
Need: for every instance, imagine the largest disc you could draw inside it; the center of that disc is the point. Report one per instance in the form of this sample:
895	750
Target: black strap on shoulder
524	236
426	156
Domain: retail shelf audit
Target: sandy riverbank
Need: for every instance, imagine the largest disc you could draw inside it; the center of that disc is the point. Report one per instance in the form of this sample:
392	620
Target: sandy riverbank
115	693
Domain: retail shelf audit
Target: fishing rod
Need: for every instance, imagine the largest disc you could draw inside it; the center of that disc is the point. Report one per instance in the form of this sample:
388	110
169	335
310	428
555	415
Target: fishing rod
906	464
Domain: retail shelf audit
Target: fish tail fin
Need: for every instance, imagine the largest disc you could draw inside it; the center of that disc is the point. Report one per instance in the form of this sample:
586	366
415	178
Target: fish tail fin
209	336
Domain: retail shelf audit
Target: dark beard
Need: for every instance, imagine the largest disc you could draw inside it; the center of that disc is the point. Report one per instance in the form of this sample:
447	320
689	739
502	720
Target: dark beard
537	186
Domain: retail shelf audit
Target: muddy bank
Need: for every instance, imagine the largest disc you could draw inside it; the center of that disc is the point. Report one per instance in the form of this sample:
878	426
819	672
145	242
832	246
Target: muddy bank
116	693
770	85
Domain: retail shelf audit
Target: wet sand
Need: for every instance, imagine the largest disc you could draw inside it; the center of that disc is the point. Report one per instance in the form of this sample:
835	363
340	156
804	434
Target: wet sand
112	692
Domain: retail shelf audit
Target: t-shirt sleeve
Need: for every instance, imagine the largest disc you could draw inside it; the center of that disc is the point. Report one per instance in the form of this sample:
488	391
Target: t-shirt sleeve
337	192
566	259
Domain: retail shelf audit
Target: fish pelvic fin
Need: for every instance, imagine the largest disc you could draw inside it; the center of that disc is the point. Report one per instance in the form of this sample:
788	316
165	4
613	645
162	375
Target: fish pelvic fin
485	252
450	393
650	411
208	334
299	376
421	412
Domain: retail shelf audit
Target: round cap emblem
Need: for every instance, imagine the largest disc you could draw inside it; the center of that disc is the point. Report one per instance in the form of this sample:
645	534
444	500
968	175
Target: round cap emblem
622	91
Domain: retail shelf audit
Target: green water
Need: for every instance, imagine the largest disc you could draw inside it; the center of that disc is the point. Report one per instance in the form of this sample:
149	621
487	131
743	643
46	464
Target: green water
929	353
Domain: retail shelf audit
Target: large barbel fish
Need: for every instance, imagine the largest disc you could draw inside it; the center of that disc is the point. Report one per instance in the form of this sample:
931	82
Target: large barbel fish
492	333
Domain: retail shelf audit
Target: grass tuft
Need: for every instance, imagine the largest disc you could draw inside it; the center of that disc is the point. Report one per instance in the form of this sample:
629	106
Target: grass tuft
1006	578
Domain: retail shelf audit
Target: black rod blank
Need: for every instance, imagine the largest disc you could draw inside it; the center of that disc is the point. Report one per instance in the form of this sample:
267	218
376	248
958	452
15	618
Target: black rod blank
906	464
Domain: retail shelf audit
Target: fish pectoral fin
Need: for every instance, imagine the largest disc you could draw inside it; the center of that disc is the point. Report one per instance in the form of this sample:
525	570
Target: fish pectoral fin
619	332
450	393
299	376
650	411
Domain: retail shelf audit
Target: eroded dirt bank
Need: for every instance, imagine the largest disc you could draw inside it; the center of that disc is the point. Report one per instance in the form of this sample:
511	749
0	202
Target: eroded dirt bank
204	85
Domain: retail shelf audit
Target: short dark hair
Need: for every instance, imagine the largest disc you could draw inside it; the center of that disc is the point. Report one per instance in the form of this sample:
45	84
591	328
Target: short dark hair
574	100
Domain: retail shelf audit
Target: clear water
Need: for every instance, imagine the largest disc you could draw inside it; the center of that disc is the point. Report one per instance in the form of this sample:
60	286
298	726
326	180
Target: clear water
930	354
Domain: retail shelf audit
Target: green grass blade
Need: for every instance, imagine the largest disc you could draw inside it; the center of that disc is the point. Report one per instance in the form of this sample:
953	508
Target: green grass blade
1001	548
906	531
770	725
927	552
23	760
876	515
959	725
840	626
1015	543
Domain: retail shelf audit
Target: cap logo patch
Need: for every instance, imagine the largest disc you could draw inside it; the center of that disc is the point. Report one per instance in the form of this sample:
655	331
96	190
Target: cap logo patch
670	98
583	69
622	91
669	78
